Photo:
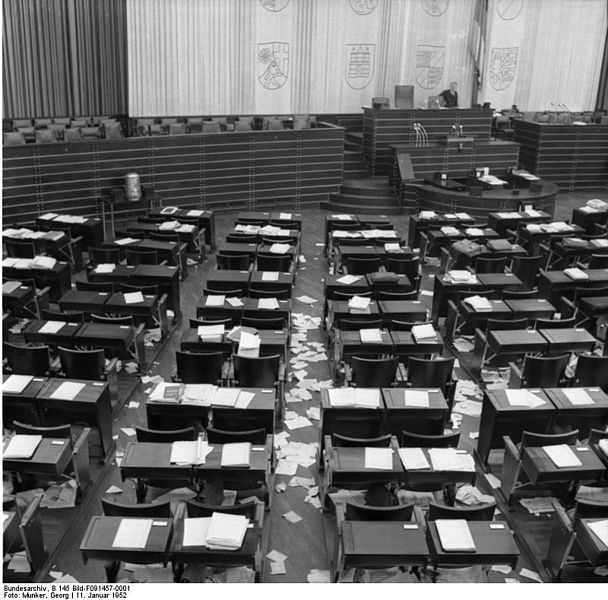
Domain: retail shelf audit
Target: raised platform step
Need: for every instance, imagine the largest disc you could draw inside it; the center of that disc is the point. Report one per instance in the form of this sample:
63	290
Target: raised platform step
343	208
362	200
354	171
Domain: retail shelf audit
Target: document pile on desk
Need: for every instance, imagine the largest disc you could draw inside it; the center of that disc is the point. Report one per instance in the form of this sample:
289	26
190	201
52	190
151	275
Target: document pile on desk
359	305
22	446
393	248
427	214
68	390
279	248
218	532
562	456
166	392
169	210
348	279
379	458
576	274
249	345
132	533
449	231
509	215
104	268
413	459
211	334
416	398
268	303
70	219
235	302
195	213
600	529
133	297
236	455
456	276
577	396
370	336
185	228
361	397
52	327
455	535
190	453
125	241
451	459
478	303
168	225
215	300
424	333
270	275
523	398
17	263
43	262
10	286
15	384
474	232
225	397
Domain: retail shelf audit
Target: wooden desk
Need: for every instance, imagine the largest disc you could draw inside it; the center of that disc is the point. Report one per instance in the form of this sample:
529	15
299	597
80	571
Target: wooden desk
531	309
501	223
348	344
84	300
284	282
595	550
568	340
119	274
63	337
402	284
469	319
252	309
167	280
540	468
22	297
401	310
419	224
435	477
58	279
339	309
206	221
51	458
343	253
91	406
415	419
226	279
500	418
517	341
22	407
586	217
405	345
90	228
445	289
331	285
555	284
149	309
499	282
582	416
333	222
492	546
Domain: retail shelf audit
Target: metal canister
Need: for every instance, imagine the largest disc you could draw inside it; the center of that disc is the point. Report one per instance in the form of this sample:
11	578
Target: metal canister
132	187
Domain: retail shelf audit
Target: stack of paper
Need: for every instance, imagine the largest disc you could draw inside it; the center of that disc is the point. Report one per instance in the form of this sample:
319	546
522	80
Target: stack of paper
379	458
68	390
600	528
577	396
195	531
413	459
22	446
279	248
15	384
268	303
211	333
105	268
562	456
168	226
43	262
10	286
474	232
348	279
249	345
523	398
198	393
427	214
190	453
52	327
341	396
166	392
225	396
215	300
392	247
576	274
463	216
455	535
461	276
226	532
416	398
366	397
235	302
195	213
186	228
370	336
169	210
50	216
236	455
478	303
561	226
450	231
133	297
125	241
451	459
132	533
270	275
359	304
423	333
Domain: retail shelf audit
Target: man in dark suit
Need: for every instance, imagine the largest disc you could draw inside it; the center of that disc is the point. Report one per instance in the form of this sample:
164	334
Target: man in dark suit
450	97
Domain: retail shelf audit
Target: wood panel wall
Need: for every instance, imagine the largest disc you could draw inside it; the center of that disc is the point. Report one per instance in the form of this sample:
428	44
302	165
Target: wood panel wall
224	171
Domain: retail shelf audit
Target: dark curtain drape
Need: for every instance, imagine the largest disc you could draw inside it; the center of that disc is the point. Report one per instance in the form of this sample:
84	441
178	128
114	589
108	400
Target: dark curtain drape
64	57
602	90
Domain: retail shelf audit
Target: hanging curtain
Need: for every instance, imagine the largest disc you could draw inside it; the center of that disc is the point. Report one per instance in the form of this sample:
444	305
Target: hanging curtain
602	91
64	57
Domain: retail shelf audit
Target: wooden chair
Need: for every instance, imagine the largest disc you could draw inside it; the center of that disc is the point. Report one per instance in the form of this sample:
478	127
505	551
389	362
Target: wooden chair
371	372
27	360
591	371
200	367
263	323
539	371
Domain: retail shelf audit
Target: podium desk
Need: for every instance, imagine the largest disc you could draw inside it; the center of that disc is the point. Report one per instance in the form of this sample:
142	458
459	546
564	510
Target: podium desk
595	550
339	309
253	310
284	282
349	344
51	458
541	469
516	341
58	279
63	337
22	407
492	546
531	309
399	416
91	406
583	417
469	319
331	285
405	345
499	418
87	301
97	543
445	289
401	310
226	279
569	339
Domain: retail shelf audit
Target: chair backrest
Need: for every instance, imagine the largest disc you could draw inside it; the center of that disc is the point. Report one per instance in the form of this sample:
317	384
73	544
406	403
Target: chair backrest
585	509
397	325
462	294
590	292
362	266
555	323
141	257
13	138
90	133
218	291
223	436
19	248
249	221
71	135
544	371
198	509
203	367
273	262
348	295
418	440
177	128
148	290
273	123
113	319
598	261
27	360
384	295
423	373
227	322
490	265
103	255
595	435
165	236
233	262
278	294
165	436
111	508
237	238
211	127
526	268
532	439
374	372
242	125
480	512
358	324
67	316
506	324
82	364
95	286
345	441
592	371
361	512
256	372
112	131
261	323
45	136
21	123
403	266
524	295
58	431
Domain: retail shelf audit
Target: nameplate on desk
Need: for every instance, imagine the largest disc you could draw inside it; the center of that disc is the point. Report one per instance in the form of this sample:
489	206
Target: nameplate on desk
410	526
58	442
496	525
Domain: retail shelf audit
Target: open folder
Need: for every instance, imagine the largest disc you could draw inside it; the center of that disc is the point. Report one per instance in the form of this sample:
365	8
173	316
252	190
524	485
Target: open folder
226	532
236	455
455	535
562	456
132	533
22	446
190	453
15	384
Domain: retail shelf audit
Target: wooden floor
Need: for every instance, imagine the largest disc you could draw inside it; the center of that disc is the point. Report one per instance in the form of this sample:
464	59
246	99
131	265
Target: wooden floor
304	543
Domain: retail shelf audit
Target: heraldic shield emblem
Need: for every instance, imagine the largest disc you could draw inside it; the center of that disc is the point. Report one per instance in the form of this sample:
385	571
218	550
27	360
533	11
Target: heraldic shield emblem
429	66
363	7
273	64
359	68
503	64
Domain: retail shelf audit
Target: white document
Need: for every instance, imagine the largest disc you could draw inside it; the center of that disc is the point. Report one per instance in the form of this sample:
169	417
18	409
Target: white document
132	533
51	327
286	467
15	384
461	276
379	458
523	398
413	459
105	268
341	396
168	226
367	397
133	297
451	459
244	399
348	279
234	302
424	332
226	531
235	455
225	397
279	248
576	274
125	241
195	531
427	214
359	302
189	453
478	303
166	392
392	247
577	396
562	456
22	446
268	303
455	535
210	333
43	262
449	231
169	210
474	232
215	300
249	345
48	216
199	393
284	216
194	213
416	398
370	336
10	286
68	390
600	528
462	216
270	276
